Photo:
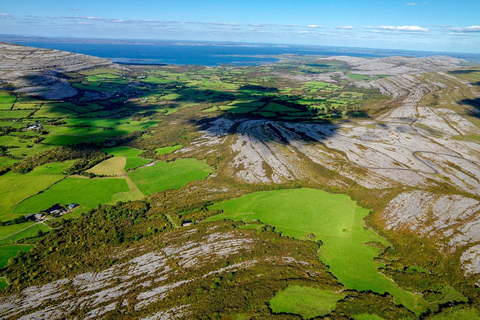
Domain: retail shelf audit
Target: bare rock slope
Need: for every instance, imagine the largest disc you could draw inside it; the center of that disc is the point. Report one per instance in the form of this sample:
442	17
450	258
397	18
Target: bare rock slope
417	144
38	72
150	283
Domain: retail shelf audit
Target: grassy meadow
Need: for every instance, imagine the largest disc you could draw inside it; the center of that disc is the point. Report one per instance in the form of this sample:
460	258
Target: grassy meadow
17	187
132	157
169	175
110	167
305	301
10	251
336	220
88	193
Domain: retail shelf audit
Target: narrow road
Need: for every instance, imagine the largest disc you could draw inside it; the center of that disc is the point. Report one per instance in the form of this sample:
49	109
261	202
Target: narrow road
40	222
171	221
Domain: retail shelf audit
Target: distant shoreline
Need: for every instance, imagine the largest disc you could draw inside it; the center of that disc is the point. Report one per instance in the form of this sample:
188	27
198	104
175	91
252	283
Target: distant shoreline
215	54
128	63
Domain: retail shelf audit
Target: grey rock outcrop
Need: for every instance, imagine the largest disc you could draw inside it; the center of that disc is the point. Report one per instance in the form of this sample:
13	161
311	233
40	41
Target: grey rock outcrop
40	72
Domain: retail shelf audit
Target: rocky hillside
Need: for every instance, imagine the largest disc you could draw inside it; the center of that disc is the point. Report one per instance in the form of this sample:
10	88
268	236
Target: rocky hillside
40	72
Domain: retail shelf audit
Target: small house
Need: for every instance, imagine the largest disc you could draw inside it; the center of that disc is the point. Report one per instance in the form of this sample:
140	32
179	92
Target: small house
39	216
187	223
72	206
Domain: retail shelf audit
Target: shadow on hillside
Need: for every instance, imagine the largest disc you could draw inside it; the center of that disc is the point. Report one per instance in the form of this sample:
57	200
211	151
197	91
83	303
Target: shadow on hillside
468	71
290	122
475	104
260	130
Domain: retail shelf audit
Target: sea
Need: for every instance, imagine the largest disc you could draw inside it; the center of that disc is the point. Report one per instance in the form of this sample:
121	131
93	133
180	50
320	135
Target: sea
214	54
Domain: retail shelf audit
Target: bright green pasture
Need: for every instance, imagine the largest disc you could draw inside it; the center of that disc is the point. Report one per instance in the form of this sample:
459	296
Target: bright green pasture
320	213
337	221
17	187
169	175
5	97
29	149
12	141
54	167
305	301
6	162
6	231
155	80
3	284
132	155
100	127
136	162
457	314
7	252
14	114
55	111
88	193
27	233
7	123
166	150
123	151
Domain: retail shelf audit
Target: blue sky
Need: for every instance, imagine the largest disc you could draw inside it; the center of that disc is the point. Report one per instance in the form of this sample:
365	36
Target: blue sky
438	25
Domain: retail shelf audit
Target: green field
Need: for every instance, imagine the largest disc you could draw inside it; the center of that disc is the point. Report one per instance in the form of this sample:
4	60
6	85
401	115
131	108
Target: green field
457	314
7	252
17	187
6	231
132	155
6	162
169	175
337	221
27	233
110	167
3	284
86	192
54	167
305	301
166	150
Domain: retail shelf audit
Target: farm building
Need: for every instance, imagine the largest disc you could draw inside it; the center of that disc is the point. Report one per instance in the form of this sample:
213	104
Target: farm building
72	206
187	223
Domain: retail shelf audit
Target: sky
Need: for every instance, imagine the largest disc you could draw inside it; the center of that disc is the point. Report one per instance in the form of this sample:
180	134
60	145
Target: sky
432	25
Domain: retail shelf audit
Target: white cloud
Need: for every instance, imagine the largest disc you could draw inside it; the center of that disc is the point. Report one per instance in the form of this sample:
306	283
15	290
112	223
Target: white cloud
304	32
5	15
315	26
95	18
467	29
411	4
402	28
75	9
346	27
